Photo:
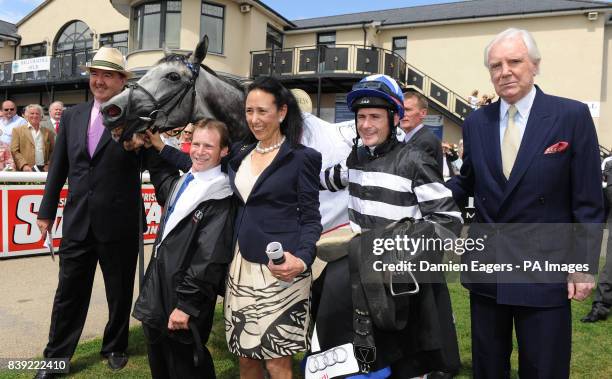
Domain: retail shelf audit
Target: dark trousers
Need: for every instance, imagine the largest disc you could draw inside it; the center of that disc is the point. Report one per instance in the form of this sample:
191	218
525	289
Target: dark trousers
543	334
78	261
603	294
170	359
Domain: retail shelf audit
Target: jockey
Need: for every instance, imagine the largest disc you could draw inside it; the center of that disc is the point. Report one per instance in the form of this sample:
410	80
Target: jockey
388	182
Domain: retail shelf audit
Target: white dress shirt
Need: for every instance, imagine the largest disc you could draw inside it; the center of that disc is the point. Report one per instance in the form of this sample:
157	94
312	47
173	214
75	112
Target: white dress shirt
412	132
523	107
206	185
39	147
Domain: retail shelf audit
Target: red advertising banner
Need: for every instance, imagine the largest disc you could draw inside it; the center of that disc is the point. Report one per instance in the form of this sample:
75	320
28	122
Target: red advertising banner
19	209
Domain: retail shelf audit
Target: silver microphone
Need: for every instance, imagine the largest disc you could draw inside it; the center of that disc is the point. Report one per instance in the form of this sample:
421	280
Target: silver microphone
275	252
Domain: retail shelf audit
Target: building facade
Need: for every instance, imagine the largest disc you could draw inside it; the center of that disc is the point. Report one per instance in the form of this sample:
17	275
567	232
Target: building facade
436	49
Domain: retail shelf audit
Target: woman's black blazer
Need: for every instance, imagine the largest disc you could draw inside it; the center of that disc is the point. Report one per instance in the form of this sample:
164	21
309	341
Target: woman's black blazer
283	205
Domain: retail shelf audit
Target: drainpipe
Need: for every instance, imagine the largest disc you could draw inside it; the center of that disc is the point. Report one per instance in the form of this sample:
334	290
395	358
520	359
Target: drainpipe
365	34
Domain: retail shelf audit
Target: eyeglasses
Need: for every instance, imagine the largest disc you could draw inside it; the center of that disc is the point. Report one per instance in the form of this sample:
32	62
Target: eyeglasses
187	132
9	109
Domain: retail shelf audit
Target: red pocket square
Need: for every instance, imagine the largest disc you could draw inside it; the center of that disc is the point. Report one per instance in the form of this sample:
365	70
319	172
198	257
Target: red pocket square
556	148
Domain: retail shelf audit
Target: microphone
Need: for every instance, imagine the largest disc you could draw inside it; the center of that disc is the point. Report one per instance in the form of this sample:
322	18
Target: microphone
275	252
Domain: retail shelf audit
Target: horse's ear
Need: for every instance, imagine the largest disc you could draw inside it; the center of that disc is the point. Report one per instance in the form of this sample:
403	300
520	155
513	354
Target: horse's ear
167	51
200	51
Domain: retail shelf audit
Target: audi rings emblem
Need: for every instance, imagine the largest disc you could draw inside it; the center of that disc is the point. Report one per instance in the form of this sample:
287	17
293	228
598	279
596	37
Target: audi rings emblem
319	362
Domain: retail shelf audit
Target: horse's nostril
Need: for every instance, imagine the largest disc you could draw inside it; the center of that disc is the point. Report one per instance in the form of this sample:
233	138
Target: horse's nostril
113	111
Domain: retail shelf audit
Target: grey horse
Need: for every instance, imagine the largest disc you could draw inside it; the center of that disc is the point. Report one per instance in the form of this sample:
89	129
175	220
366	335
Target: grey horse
178	90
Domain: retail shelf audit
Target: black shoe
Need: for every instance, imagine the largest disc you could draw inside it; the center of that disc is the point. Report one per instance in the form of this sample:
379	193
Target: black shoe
117	360
42	374
595	315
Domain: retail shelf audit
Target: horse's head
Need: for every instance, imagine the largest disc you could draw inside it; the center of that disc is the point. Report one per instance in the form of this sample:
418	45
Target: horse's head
163	99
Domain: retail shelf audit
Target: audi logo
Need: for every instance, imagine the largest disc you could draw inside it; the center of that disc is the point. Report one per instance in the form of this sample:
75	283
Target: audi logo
319	362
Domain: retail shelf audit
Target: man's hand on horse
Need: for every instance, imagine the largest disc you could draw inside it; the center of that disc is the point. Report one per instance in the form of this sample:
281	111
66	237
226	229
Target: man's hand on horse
155	140
138	140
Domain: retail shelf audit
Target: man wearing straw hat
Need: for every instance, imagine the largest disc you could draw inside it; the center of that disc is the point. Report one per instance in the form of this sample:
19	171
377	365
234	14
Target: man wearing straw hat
100	217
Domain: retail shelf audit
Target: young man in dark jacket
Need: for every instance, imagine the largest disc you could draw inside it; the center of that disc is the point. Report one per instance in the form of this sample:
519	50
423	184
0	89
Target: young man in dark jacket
190	256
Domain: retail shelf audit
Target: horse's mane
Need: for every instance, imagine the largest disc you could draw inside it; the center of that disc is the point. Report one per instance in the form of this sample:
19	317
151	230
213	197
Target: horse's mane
173	57
231	81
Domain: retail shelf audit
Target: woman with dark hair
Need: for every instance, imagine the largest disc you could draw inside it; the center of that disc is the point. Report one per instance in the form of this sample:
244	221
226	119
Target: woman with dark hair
276	183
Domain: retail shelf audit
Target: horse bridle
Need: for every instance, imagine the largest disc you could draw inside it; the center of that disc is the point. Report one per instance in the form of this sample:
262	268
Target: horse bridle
174	100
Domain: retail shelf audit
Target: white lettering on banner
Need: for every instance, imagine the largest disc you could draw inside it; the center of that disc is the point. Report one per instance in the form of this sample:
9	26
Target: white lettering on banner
27	209
154	213
58	224
31	64
22	204
152	229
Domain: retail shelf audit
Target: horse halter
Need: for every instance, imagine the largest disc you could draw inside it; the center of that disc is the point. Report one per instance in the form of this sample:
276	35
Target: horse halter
169	102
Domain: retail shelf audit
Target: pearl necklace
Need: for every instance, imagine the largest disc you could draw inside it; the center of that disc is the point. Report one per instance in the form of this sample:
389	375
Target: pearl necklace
264	150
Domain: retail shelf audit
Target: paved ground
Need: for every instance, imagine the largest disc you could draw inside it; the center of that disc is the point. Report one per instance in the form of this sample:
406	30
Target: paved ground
28	286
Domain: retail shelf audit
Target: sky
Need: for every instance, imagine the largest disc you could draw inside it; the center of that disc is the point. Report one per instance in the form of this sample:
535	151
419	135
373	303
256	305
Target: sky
15	10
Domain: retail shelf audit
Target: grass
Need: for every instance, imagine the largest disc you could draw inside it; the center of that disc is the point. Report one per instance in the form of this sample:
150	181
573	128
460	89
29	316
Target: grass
591	351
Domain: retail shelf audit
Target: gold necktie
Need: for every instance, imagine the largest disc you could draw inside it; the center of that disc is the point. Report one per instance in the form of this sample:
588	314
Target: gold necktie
510	143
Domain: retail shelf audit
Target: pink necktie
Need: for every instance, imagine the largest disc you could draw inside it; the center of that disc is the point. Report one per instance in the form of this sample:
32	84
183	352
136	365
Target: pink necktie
56	126
94	133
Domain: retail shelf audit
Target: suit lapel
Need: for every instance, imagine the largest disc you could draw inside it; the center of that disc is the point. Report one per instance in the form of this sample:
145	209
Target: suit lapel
104	140
490	143
82	126
539	125
28	133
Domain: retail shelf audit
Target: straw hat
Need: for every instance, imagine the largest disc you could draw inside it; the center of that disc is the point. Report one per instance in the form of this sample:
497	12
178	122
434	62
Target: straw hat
109	59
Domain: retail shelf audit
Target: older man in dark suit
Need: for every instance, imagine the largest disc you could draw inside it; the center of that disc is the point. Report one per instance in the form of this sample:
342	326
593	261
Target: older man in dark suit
100	217
531	161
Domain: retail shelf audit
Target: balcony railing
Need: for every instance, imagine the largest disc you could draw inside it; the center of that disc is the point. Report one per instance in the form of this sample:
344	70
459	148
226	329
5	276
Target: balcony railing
437	92
62	67
355	59
336	59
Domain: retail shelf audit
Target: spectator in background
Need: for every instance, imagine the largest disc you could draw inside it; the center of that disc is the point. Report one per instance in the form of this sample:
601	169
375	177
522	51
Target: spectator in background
55	113
169	153
473	99
8	121
185	138
602	299
170	138
484	100
32	145
451	155
415	110
459	161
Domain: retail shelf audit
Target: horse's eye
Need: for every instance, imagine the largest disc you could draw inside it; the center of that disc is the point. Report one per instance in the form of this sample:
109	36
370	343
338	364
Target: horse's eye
173	76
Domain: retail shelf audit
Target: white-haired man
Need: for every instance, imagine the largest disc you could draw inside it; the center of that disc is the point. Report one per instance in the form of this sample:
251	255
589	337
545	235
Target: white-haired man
56	109
31	144
531	162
